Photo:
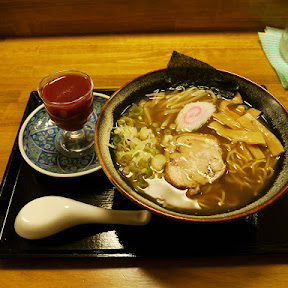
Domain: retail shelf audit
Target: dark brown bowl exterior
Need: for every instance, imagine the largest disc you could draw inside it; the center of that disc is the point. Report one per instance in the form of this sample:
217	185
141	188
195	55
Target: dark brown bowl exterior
273	111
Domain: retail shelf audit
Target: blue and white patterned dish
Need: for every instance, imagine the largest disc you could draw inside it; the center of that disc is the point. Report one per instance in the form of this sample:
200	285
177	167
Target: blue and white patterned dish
37	144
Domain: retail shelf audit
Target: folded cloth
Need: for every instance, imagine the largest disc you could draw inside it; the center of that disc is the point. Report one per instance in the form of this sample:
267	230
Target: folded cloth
270	40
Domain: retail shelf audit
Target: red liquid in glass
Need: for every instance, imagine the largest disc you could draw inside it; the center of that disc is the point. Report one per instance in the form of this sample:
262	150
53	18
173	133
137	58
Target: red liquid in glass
69	116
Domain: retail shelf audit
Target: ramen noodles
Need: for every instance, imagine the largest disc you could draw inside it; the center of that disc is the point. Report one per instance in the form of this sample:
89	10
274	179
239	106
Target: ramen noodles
193	151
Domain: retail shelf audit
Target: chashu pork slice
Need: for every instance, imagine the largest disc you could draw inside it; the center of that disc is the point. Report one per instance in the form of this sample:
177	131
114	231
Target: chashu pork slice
193	160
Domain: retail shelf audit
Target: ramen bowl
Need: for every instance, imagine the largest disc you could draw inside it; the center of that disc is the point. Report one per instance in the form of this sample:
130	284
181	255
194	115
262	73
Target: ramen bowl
273	111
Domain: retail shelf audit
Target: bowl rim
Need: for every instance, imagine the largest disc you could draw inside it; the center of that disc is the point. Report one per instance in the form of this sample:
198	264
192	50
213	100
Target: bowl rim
172	214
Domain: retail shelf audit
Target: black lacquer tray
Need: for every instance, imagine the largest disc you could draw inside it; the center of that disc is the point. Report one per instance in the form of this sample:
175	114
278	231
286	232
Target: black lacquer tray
261	233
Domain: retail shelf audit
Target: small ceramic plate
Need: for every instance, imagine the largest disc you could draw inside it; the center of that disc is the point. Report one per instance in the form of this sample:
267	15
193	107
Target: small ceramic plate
36	144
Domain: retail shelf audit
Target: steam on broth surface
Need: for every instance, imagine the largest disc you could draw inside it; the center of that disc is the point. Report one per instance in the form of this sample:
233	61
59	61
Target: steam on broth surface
192	151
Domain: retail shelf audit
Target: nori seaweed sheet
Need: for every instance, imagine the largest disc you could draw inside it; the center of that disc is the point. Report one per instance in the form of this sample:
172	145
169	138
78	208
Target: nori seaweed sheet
190	71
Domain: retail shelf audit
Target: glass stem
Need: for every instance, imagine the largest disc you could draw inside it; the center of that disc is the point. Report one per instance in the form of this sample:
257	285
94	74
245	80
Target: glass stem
77	142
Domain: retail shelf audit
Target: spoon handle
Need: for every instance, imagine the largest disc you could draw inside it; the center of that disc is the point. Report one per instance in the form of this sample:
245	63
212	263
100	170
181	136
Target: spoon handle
108	216
82	213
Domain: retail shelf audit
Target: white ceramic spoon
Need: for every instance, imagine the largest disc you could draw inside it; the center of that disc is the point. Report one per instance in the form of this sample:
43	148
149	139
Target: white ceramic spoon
49	215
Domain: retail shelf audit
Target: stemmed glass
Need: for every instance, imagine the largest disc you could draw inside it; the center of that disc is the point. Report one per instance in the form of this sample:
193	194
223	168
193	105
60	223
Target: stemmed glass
68	98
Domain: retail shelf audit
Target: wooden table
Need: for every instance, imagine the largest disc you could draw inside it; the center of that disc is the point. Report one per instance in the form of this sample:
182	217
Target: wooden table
112	60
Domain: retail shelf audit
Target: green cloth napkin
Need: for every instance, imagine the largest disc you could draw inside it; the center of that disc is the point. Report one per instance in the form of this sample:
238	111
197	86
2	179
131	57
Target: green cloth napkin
270	40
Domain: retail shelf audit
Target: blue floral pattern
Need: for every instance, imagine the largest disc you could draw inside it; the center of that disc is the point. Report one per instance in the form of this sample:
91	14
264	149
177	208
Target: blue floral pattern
39	144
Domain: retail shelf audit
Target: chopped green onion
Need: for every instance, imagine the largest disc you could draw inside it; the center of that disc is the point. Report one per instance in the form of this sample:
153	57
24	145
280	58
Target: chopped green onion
150	172
141	182
116	139
136	111
125	121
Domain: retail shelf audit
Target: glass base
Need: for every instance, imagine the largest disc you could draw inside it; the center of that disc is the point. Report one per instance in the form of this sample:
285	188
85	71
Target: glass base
75	143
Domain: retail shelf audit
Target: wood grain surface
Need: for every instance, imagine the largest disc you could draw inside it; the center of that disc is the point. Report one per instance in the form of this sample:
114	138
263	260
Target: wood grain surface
111	61
70	17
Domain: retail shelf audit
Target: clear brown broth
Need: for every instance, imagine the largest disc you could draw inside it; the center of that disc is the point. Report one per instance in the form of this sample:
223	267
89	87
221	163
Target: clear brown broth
220	196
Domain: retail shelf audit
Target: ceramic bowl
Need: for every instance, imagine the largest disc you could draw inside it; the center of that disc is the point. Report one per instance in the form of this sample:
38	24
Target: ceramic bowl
274	112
